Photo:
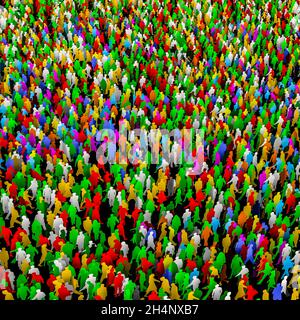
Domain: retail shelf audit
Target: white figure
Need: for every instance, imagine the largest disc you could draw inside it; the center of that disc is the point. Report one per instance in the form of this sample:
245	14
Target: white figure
47	194
111	194
74	201
33	187
56	223
296	258
25	224
243	272
228	296
20	256
40	295
286	251
124	248
178	262
80	241
40	217
216	294
170	249
150	241
272	219
194	283
284	285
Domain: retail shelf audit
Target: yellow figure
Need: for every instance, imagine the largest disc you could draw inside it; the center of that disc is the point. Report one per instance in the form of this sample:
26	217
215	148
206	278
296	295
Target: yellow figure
14	217
50	218
8	295
171	235
71	180
154	190
295	294
65	189
226	243
102	291
84	261
163	231
165	285
167	261
79	168
44	251
198	185
57	284
75	286
132	195
191	296
26	197
111	240
150	195
265	295
152	286
57	207
241	291
105	271
184	237
87	225
296	233
174	292
276	199
49	179
25	239
255	221
4	257
214	271
25	266
66	275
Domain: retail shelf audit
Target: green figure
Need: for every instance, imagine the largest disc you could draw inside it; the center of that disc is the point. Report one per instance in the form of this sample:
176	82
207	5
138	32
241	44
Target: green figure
94	268
179	278
99	252
21	280
73	235
111	222
36	228
32	251
178	199
129	290
267	272
72	214
220	261
96	229
82	276
236	265
190	249
52	296
142	281
210	287
272	281
68	249
32	292
176	223
22	292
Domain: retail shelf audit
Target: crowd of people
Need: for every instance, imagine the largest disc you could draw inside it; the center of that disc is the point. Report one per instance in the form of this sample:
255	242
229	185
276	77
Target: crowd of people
72	227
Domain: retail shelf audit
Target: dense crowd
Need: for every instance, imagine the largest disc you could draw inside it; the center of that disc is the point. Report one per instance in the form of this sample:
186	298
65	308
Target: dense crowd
72	227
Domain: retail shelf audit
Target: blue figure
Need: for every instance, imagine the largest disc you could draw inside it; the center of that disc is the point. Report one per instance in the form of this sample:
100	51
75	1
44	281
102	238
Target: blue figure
287	265
279	207
215	224
195	273
239	245
250	252
277	292
168	275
